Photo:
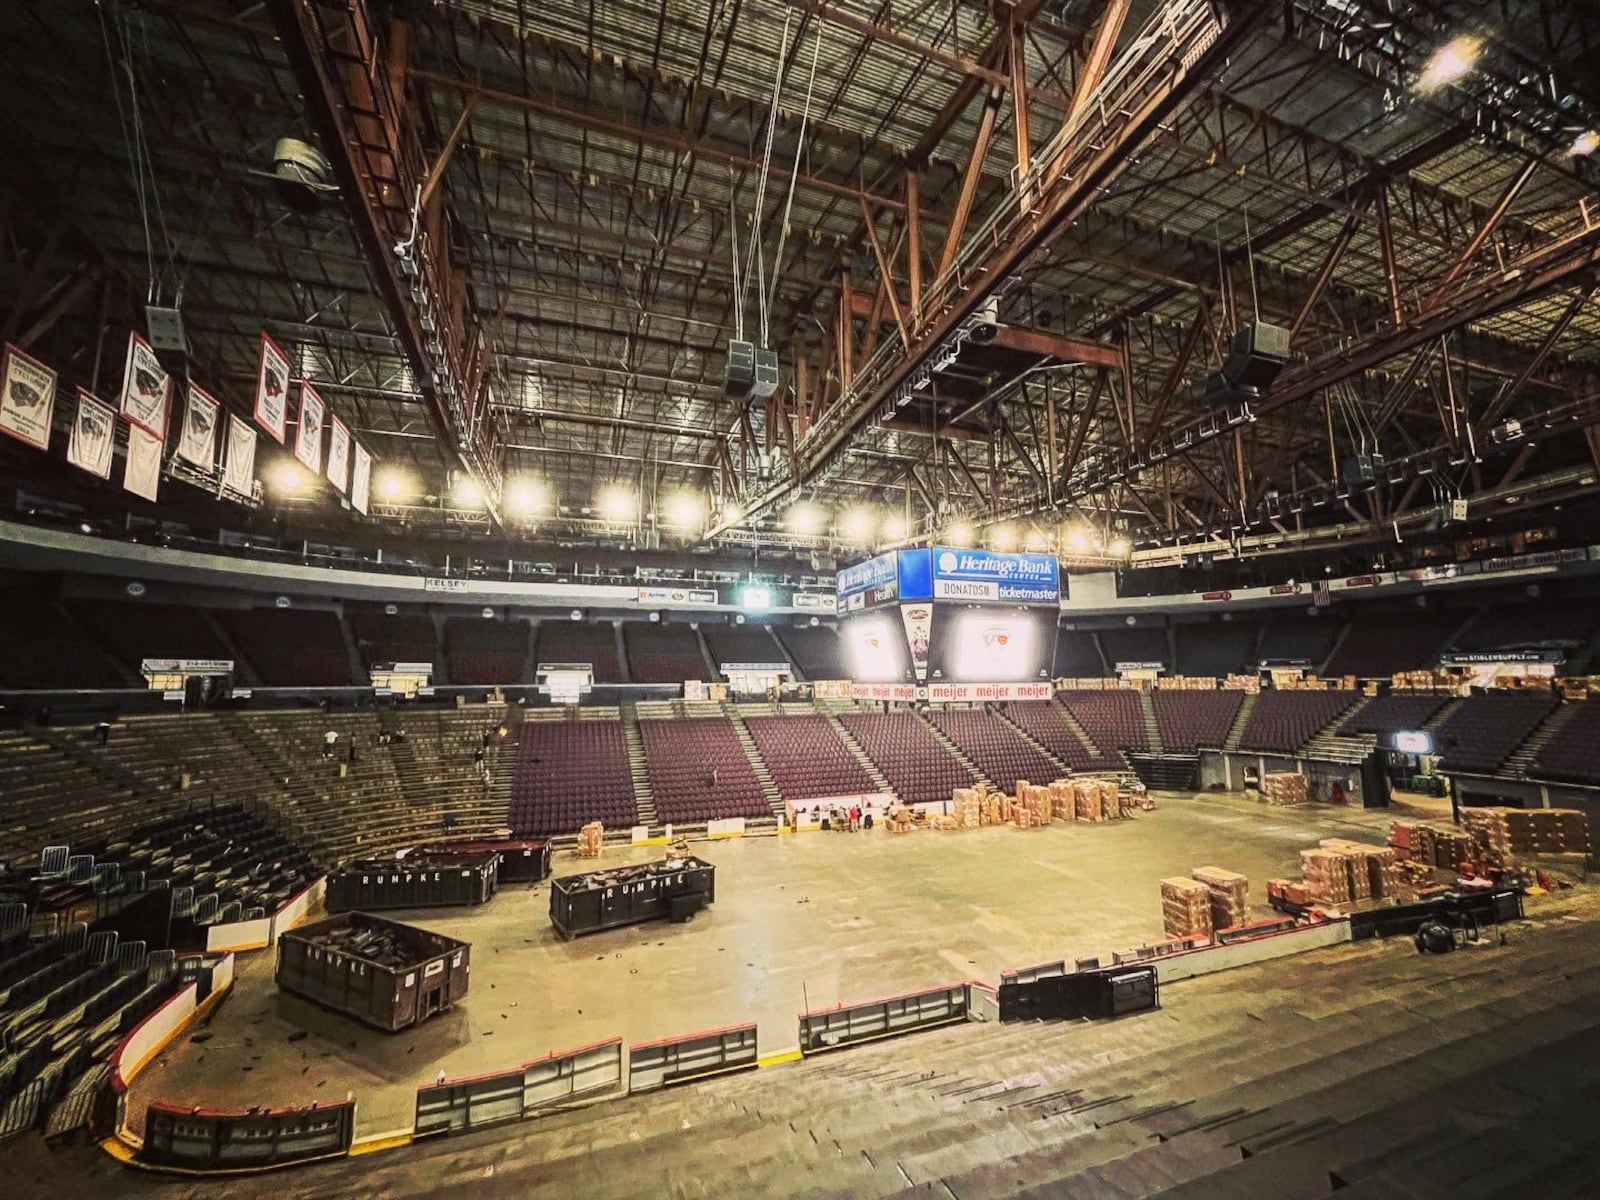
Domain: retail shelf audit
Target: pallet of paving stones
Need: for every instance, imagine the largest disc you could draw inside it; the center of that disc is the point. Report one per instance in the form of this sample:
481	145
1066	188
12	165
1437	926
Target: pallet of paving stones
1435	845
590	838
1229	891
1285	789
1504	834
1185	908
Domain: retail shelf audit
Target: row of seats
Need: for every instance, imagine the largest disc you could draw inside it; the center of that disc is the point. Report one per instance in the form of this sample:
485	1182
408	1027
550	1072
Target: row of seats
699	771
663	653
1191	720
1046	724
995	747
1282	722
901	745
1574	755
1111	717
1394	713
569	773
807	757
1481	732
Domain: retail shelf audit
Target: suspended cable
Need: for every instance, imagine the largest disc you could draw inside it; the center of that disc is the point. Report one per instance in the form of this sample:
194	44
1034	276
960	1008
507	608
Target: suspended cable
127	137
754	250
1250	261
794	173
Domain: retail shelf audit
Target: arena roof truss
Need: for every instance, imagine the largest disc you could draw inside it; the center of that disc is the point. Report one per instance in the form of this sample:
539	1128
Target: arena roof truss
547	221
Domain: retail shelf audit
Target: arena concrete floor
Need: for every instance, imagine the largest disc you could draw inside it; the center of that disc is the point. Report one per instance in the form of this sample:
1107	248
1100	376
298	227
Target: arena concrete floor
806	920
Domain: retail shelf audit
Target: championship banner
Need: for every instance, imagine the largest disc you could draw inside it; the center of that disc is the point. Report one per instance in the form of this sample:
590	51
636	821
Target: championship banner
94	428
27	398
308	433
238	470
197	440
141	473
361	479
272	389
145	387
338	454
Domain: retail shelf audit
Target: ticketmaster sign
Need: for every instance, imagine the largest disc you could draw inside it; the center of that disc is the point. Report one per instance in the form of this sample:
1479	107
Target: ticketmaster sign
949	573
986	575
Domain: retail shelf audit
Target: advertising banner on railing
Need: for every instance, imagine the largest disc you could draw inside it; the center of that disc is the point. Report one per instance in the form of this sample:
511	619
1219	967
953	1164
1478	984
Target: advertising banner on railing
677	595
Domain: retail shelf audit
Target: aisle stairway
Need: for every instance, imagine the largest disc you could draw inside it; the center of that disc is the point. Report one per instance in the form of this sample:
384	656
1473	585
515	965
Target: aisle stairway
1523	756
1240	721
1152	730
955	751
643	800
1054	759
1329	745
1078	731
769	788
831	712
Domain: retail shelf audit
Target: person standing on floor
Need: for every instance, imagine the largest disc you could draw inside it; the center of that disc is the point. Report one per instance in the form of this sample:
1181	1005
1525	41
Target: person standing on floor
329	741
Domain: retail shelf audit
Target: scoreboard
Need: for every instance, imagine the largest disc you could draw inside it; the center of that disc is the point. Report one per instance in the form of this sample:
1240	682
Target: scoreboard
929	621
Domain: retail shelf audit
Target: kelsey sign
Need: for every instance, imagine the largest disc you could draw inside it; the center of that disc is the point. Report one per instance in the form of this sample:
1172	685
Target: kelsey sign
986	575
948	573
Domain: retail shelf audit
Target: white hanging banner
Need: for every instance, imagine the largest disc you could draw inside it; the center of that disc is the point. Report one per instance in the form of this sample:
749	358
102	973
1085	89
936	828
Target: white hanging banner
308	434
27	398
141	474
272	390
94	428
361	479
238	470
197	439
338	453
145	388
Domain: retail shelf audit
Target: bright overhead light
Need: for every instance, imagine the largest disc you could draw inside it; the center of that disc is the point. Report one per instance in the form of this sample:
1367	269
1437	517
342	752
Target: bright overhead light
685	510
731	514
468	492
527	497
393	485
959	534
1078	539
1003	538
1585	144
1449	63
288	478
1119	547
893	528
618	504
1037	540
804	518
857	525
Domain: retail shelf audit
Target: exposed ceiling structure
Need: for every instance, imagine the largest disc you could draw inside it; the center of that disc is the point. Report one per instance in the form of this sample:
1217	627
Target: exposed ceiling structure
545	223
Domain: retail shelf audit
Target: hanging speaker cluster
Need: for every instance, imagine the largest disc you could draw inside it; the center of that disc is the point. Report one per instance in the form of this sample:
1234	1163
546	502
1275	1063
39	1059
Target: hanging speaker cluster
751	372
1259	352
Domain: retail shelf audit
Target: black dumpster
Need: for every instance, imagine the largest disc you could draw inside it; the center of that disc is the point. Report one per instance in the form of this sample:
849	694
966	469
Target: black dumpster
379	971
674	888
522	860
416	881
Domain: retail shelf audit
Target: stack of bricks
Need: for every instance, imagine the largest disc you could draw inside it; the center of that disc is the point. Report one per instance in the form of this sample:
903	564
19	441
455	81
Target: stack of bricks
1327	876
1031	809
1097	799
996	808
590	838
966	809
1185	908
1292	890
1374	870
1063	805
1285	790
1228	895
1504	834
1435	845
